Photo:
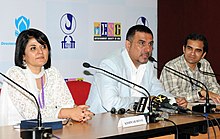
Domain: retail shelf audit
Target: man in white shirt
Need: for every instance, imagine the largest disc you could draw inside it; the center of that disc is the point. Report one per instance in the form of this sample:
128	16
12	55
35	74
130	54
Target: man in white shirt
131	63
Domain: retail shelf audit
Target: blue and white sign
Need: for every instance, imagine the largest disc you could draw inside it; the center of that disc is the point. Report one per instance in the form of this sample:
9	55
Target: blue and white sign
78	31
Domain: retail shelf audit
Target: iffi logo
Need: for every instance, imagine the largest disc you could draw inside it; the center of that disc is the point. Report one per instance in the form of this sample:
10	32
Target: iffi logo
22	23
68	26
104	31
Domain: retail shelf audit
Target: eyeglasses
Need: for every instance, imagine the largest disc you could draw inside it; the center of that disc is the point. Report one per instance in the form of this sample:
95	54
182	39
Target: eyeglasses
142	43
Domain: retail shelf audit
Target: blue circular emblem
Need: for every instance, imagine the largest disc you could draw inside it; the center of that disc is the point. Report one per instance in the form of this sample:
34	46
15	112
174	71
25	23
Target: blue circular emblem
68	23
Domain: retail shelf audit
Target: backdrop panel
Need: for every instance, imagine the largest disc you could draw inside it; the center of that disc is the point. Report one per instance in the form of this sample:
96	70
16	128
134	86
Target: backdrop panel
78	30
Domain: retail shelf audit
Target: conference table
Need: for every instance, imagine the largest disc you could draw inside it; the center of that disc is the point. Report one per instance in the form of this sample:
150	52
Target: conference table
106	126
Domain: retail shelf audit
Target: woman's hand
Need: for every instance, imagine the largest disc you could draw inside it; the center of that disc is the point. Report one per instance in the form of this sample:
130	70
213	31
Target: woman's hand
87	114
78	113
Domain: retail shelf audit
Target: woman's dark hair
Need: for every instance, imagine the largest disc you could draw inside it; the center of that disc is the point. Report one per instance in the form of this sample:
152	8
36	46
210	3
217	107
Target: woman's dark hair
200	37
137	28
21	44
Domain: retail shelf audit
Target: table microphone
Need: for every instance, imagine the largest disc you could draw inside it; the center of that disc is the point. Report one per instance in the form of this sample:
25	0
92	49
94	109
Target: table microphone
203	108
162	102
39	131
206	73
152	116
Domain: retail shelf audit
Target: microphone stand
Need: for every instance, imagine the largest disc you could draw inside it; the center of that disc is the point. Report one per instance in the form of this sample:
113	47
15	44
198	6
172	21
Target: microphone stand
152	115
37	132
207	73
203	108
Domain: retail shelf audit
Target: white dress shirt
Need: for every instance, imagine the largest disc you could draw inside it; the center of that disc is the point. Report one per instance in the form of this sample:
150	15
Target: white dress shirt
108	91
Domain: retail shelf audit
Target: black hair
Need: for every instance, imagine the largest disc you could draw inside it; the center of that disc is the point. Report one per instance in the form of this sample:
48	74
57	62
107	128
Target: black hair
21	44
200	37
140	28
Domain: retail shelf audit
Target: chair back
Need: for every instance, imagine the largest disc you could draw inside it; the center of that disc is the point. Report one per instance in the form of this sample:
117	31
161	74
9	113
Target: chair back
79	91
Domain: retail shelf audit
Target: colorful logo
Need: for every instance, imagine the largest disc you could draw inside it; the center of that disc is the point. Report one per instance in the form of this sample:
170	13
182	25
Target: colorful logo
68	26
22	23
104	31
142	21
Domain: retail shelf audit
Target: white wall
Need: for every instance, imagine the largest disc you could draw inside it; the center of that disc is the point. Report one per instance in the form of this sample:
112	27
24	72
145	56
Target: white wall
46	15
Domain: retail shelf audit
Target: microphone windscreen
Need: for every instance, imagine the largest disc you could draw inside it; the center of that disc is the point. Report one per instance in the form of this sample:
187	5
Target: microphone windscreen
199	65
86	65
152	59
169	106
86	72
175	104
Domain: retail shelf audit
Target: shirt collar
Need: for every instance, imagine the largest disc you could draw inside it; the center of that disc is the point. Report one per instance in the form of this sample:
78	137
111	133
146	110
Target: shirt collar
185	65
131	64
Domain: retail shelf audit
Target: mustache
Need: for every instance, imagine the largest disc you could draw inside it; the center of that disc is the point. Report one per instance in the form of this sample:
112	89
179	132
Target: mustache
146	53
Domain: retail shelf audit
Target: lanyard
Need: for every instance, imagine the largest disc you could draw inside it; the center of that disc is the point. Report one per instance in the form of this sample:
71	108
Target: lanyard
41	99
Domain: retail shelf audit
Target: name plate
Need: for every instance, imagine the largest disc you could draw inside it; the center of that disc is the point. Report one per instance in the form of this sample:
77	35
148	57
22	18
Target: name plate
132	121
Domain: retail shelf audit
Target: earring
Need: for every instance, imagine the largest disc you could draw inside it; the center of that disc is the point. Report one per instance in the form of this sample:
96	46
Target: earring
24	63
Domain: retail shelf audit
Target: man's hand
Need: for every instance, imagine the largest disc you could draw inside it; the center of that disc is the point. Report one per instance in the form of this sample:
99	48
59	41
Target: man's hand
181	101
213	96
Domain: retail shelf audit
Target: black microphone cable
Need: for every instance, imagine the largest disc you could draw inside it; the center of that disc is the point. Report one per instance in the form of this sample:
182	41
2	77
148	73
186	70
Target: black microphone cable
213	128
208	120
215	121
168	120
218	125
177	131
207	117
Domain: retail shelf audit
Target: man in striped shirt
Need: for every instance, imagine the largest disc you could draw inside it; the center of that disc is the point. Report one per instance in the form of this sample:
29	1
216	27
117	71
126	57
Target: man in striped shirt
191	63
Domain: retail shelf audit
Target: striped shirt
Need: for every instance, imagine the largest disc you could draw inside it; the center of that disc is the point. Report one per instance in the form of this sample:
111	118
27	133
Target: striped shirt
182	86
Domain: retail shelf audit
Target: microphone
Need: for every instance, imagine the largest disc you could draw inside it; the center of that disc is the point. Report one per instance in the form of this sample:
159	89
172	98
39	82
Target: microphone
204	108
152	116
39	130
86	72
162	102
206	73
176	107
